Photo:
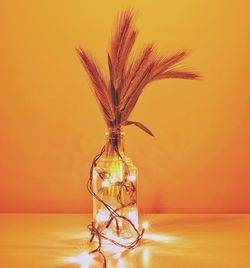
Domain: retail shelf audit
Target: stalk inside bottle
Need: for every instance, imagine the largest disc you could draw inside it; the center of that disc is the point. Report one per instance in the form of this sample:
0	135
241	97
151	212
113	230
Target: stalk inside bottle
114	181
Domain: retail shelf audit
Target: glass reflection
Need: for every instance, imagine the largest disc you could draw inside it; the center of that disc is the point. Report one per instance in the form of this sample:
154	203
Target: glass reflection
119	257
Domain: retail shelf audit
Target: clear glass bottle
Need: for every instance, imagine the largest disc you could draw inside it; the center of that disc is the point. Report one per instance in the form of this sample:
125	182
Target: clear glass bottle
115	182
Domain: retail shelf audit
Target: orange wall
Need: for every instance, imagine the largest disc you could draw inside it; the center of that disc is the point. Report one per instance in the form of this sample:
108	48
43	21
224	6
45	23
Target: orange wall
51	126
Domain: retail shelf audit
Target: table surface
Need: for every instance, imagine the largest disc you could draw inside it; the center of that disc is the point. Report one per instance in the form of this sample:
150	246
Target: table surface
176	240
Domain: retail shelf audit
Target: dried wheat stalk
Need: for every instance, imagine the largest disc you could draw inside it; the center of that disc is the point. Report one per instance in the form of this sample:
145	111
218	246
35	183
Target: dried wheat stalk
128	78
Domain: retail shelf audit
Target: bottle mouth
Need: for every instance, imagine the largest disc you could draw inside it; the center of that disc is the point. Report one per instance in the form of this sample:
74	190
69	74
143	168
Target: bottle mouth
114	133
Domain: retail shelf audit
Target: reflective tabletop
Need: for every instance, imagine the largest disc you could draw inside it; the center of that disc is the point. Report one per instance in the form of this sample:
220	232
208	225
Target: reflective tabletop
171	240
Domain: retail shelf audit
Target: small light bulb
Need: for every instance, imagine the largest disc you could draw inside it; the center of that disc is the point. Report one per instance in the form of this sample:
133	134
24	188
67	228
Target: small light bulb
145	225
131	177
105	184
102	216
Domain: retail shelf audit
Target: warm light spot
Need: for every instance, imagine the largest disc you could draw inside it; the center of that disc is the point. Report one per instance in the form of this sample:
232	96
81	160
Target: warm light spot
102	216
115	169
113	178
113	248
145	225
131	177
133	216
95	174
145	255
160	238
105	184
117	255
84	259
120	263
120	223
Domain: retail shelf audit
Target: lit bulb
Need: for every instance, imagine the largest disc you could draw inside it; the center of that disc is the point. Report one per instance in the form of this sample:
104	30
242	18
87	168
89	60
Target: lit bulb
131	177
102	216
105	184
145	225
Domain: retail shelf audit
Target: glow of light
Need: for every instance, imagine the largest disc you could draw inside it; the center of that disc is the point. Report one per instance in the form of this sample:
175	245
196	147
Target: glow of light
102	216
159	238
117	255
133	216
120	223
113	178
84	260
115	169
120	263
113	248
95	174
145	255
145	225
131	177
105	184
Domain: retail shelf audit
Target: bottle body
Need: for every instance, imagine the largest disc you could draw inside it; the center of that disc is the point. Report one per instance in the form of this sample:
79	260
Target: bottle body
114	176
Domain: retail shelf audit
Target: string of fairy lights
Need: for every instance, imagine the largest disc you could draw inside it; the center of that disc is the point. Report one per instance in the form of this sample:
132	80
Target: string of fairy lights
113	214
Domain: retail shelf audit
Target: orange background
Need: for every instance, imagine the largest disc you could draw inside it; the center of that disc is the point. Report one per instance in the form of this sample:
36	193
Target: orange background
51	126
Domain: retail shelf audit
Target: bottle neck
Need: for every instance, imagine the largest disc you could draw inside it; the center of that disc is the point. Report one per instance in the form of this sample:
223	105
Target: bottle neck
114	142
